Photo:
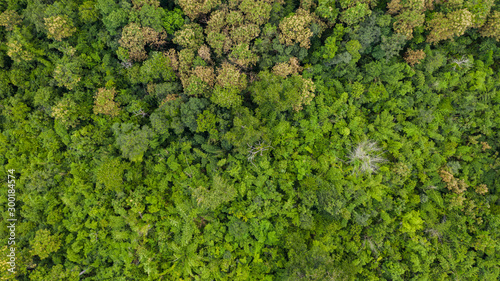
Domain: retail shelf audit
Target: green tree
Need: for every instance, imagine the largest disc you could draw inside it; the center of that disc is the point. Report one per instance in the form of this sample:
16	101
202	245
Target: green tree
111	174
221	192
88	12
327	10
44	243
355	14
173	21
276	93
157	68
152	16
67	73
132	140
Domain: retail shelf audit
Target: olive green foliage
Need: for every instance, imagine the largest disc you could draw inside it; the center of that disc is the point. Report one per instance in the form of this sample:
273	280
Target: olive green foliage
241	140
44	243
132	141
282	94
104	102
110	174
156	68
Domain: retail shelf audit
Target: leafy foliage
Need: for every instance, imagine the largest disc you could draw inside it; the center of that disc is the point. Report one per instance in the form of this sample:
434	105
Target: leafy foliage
251	139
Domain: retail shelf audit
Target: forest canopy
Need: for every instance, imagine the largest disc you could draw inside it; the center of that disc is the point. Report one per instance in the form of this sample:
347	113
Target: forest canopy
250	139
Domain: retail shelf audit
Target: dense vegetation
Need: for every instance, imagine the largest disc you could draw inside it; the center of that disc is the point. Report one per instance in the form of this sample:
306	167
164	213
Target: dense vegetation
251	139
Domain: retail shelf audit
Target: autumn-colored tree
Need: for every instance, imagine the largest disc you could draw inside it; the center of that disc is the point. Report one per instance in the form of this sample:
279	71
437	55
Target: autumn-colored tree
445	27
200	81
257	12
190	36
18	48
139	3
230	82
104	103
458	186
216	22
67	74
394	6
492	26
169	98
65	112
204	53
229	76
285	69
59	27
460	21
134	38
234	18
245	33
133	41
409	14
407	21
413	57
206	74
481	189
174	59
186	58
9	19
194	8
242	56
296	29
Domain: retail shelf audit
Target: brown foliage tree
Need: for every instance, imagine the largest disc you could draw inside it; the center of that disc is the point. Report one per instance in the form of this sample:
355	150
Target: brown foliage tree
190	36
446	27
134	38
139	3
409	14
257	12
229	76
194	8
285	69
296	29
104	103
9	19
59	27
414	57
492	26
